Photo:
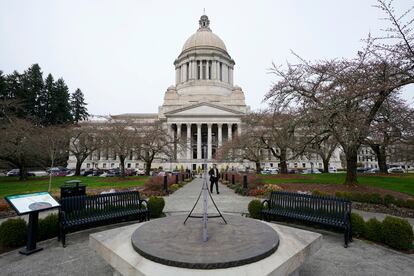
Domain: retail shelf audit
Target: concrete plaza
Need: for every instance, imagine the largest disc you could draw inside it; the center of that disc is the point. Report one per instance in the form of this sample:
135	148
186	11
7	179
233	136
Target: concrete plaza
361	258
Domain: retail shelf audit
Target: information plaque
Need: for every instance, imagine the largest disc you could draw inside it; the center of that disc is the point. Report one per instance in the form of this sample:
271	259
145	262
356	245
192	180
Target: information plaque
27	203
32	204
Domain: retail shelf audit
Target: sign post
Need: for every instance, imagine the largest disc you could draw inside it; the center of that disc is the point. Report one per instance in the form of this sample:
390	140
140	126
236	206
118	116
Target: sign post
32	204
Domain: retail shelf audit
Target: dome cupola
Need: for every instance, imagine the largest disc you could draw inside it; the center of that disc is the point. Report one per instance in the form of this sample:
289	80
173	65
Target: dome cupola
204	62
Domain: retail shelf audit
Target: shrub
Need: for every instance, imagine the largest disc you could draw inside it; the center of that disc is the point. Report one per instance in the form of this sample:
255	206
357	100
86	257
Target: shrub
397	233
319	193
345	195
255	208
373	230
48	227
388	200
13	232
174	187
155	206
257	192
358	225
375	198
410	203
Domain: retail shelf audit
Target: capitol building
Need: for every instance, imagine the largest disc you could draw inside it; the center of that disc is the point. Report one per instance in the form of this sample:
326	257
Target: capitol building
204	107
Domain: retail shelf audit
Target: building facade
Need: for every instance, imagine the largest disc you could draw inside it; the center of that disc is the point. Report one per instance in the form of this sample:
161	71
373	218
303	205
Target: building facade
204	108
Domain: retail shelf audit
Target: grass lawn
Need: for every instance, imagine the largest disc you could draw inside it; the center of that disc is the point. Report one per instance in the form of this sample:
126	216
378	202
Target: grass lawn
403	183
12	185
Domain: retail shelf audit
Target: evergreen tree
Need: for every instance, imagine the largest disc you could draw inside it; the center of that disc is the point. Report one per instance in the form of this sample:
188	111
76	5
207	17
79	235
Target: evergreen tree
78	106
44	101
32	83
59	104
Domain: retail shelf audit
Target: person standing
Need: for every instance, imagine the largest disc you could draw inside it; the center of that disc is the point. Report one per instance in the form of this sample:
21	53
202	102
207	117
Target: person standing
214	177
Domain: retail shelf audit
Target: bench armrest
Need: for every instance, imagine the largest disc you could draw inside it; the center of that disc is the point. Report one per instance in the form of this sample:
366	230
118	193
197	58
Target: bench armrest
141	201
267	203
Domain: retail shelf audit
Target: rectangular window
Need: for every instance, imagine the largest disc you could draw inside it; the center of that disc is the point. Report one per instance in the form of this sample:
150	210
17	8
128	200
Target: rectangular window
136	165
88	165
104	165
129	165
304	165
112	165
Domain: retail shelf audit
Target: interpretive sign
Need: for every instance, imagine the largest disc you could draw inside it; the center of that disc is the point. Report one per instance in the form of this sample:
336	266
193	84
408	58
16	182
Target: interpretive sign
27	203
32	204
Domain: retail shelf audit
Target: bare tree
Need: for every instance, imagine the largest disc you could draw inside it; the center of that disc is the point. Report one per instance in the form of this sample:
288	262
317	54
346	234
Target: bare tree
324	147
85	139
54	143
19	145
122	137
393	120
154	142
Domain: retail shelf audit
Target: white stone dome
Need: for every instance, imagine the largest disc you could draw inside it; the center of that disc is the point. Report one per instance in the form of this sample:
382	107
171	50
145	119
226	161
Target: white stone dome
204	37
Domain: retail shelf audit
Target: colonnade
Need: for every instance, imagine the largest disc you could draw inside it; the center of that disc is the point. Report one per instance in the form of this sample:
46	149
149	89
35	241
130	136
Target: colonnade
195	135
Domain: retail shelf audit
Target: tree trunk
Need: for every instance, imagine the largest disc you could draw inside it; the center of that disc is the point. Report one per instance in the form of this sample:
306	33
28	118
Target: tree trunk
148	164
351	166
380	153
283	163
23	172
325	162
122	165
258	167
78	167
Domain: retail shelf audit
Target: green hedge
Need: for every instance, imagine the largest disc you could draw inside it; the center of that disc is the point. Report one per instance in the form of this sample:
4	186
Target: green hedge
13	232
358	225
397	233
156	206
48	227
394	232
255	208
375	198
373	230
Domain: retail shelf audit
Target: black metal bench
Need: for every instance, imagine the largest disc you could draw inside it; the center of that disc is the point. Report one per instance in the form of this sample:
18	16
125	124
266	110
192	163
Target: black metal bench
78	211
324	210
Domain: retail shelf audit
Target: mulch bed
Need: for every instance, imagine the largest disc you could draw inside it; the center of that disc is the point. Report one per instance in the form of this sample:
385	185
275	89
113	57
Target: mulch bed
332	188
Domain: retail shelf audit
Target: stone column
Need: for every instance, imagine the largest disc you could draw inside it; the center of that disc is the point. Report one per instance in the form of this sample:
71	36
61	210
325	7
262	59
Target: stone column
169	131
213	70
178	131
209	144
239	129
220	134
198	141
177	75
178	140
189	148
229	134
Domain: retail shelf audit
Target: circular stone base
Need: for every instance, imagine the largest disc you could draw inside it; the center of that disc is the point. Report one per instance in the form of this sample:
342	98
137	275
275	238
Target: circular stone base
241	241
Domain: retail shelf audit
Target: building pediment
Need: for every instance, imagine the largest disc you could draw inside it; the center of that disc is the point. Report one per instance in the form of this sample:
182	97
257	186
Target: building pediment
203	109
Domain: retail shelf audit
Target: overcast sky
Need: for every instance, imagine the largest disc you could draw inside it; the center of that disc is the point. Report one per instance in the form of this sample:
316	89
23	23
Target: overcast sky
121	53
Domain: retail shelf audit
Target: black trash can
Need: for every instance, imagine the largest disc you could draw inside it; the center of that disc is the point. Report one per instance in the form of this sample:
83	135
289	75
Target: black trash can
72	188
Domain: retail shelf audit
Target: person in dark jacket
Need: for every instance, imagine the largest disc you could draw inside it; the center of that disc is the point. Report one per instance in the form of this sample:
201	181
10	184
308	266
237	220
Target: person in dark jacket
214	177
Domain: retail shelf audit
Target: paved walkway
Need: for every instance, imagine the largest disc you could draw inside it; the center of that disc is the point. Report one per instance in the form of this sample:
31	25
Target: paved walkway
184	199
361	258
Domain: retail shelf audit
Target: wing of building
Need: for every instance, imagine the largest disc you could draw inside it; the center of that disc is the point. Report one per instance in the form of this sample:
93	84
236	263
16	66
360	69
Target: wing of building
204	108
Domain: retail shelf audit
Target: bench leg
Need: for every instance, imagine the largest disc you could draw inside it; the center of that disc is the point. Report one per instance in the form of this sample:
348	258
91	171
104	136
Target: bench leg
63	238
346	237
